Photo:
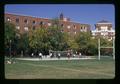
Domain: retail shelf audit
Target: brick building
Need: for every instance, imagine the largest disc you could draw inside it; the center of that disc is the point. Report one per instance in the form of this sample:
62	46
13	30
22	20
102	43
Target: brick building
104	29
25	23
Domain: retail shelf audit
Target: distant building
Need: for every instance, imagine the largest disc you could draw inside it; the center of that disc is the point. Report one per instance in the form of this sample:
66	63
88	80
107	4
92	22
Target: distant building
104	29
25	23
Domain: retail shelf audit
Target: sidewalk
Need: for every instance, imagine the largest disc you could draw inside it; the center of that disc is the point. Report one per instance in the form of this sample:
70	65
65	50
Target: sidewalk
38	59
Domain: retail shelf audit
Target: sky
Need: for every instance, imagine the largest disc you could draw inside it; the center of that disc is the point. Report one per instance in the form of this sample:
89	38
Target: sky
82	13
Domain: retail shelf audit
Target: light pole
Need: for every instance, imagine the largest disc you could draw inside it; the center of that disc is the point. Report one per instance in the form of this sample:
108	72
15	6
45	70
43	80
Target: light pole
10	48
36	48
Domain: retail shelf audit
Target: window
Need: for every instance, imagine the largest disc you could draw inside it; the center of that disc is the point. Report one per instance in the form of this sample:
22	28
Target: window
49	24
84	28
81	27
41	23
26	21
104	28
18	27
8	19
33	21
74	26
68	27
17	20
26	28
62	25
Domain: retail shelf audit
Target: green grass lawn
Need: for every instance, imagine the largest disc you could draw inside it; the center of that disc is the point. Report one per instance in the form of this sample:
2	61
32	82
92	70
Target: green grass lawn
61	69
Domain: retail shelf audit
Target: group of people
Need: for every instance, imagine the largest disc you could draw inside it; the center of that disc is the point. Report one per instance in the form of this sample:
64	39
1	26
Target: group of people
10	60
69	54
59	55
40	55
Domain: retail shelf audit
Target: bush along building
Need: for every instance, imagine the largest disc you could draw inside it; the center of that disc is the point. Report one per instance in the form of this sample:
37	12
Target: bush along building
25	23
104	29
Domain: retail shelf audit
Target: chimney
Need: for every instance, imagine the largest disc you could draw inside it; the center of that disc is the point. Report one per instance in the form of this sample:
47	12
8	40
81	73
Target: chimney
61	16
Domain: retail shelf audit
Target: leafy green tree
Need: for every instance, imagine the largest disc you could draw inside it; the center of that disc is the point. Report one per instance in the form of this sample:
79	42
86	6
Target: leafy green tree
106	43
72	43
23	43
38	40
10	34
92	47
87	45
57	37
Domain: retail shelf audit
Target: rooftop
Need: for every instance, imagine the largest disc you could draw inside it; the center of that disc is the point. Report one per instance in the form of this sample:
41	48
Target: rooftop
104	21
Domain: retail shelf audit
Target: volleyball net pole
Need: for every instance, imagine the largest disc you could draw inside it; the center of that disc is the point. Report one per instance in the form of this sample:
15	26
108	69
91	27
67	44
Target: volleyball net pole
99	47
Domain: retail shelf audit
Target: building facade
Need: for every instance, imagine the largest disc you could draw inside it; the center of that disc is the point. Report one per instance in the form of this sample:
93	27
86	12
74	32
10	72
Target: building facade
25	23
104	29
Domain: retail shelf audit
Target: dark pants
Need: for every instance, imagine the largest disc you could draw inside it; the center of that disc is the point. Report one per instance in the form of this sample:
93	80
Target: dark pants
40	57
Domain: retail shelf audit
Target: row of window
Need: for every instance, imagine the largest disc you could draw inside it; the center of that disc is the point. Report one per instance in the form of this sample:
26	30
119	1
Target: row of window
26	21
83	27
42	23
106	33
26	29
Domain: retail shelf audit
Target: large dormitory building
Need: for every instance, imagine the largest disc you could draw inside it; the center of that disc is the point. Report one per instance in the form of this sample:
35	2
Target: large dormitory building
25	23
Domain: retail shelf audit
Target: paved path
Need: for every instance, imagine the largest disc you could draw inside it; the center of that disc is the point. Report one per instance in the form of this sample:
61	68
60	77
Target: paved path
38	59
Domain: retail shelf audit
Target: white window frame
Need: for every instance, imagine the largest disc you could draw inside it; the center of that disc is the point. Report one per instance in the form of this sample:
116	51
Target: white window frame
8	19
75	32
68	26
18	27
49	24
26	28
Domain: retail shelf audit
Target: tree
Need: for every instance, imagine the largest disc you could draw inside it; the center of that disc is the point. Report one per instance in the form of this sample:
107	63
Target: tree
92	47
45	39
87	45
38	40
106	43
9	31
23	44
57	37
10	34
72	43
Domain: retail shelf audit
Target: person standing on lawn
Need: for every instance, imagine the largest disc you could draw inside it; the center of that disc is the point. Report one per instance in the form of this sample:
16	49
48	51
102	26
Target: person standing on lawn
40	55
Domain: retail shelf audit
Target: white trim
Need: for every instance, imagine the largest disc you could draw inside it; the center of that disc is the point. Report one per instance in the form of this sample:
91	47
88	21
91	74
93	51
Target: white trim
104	23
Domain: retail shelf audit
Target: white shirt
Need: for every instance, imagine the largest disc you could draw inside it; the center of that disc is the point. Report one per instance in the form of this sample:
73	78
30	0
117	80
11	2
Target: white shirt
40	54
59	54
79	53
50	54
